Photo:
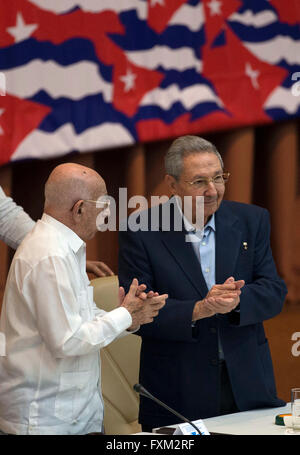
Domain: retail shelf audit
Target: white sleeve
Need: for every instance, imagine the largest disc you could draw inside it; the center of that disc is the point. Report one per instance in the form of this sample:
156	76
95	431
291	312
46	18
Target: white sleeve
14	222
98	312
59	313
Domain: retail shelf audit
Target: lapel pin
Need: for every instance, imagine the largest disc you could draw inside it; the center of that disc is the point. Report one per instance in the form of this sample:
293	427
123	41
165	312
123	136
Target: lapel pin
245	245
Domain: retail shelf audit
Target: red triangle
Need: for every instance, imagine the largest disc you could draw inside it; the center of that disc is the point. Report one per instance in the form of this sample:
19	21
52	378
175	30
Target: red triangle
127	96
18	119
227	67
160	12
58	28
216	16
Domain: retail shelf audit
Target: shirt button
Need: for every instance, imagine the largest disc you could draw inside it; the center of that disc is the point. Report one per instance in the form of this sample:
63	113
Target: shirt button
203	243
213	330
207	270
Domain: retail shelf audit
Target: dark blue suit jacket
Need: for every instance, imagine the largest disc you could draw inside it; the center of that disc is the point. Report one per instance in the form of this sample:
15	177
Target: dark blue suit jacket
179	363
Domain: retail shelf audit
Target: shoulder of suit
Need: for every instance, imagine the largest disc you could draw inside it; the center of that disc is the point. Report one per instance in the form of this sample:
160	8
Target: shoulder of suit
241	207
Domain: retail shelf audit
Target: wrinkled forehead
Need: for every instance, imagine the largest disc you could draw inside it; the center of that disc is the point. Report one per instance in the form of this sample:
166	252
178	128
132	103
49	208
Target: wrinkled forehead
201	163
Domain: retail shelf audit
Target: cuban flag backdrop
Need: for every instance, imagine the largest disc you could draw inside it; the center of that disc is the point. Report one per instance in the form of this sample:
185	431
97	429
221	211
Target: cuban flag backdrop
82	75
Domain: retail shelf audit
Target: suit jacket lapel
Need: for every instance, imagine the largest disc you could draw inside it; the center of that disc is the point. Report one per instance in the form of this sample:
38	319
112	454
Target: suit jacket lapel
228	241
183	253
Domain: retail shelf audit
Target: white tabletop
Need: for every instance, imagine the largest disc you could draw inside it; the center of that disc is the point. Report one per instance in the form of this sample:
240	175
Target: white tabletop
255	422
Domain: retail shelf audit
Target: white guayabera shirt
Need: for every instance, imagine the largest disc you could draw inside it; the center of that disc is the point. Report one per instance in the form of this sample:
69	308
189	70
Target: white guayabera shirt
49	378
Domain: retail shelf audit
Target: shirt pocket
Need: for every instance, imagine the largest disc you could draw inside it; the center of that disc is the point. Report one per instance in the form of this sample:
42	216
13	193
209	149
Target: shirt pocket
70	396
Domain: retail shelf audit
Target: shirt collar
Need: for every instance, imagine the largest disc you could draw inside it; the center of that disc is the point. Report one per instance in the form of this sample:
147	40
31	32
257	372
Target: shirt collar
210	225
71	237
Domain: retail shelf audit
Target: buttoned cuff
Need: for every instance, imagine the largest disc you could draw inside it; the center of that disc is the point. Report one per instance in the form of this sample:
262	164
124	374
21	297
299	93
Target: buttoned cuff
121	318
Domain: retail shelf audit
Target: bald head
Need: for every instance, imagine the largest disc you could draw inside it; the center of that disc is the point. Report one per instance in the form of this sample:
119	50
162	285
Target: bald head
68	183
68	192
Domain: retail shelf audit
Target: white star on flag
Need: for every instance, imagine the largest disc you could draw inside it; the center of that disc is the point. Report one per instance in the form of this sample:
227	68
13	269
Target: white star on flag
1	129
129	80
253	74
215	7
155	2
21	31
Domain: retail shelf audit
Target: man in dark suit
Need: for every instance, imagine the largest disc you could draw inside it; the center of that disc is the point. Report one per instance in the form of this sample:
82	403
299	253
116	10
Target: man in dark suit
206	353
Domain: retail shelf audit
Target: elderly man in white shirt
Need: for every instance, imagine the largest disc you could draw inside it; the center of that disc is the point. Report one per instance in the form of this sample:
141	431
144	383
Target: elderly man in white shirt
50	375
15	223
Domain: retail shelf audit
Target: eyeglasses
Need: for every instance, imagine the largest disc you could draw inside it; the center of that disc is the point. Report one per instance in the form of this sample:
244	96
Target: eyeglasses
218	180
102	202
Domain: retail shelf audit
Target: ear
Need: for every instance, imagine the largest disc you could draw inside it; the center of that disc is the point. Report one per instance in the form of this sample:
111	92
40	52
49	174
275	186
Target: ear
77	211
171	183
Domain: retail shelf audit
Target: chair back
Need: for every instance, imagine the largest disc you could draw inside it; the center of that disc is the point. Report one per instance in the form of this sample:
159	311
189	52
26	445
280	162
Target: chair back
119	367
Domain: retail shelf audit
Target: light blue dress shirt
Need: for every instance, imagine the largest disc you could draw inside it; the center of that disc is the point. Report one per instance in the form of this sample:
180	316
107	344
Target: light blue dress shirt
205	249
204	245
